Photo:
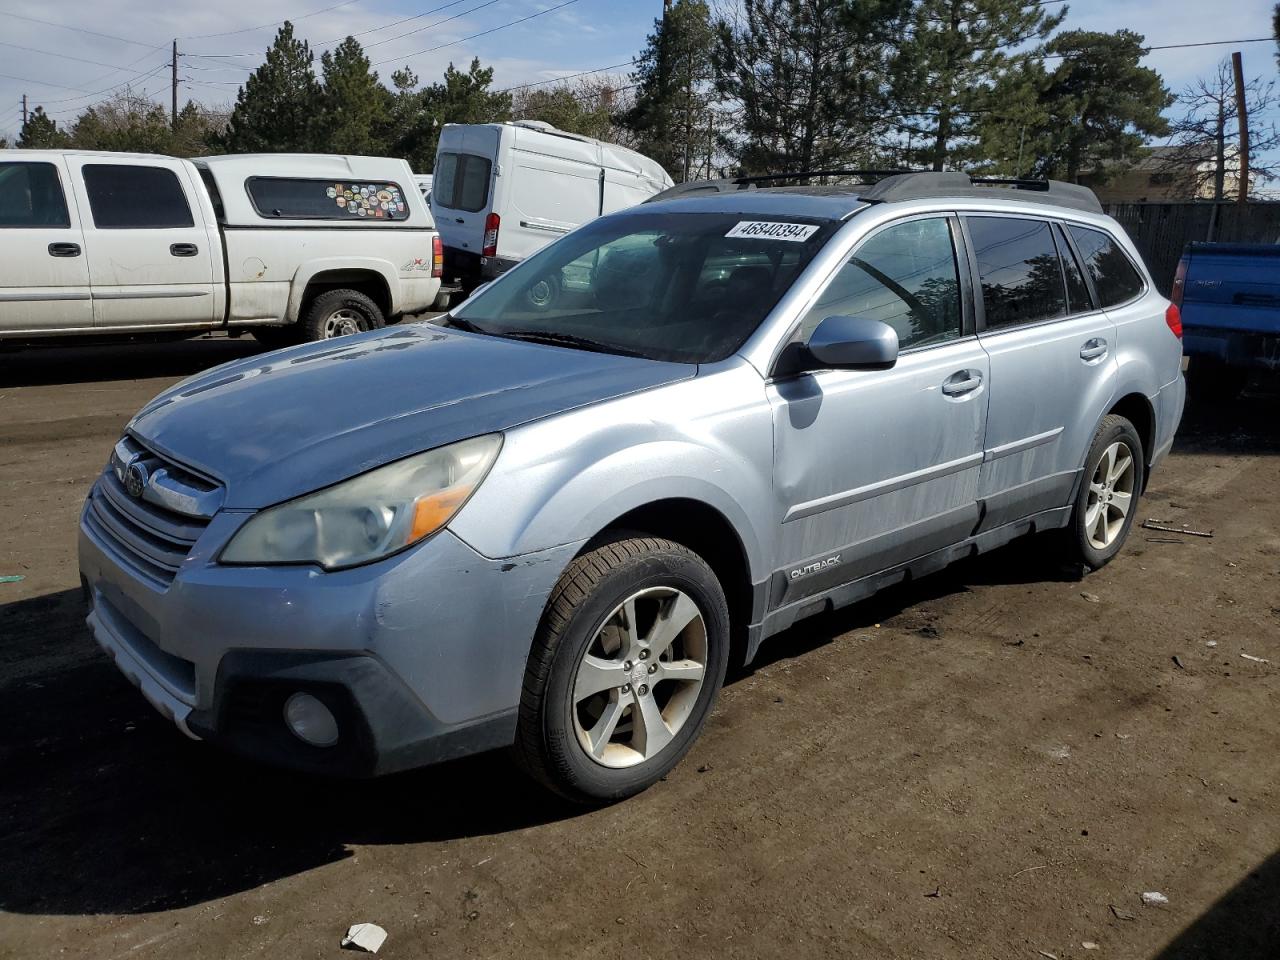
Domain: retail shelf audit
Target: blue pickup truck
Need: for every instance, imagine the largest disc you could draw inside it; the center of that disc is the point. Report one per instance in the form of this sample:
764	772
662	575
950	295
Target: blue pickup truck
1229	295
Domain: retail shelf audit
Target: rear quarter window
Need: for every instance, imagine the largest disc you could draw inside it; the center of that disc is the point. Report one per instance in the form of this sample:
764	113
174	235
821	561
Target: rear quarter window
134	197
1115	278
287	198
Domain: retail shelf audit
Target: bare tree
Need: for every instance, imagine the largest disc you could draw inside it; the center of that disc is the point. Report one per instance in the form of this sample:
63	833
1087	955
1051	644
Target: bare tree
1206	139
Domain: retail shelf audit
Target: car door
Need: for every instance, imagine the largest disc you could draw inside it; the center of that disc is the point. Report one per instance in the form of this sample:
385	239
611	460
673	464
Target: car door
463	186
877	467
150	262
44	274
1053	366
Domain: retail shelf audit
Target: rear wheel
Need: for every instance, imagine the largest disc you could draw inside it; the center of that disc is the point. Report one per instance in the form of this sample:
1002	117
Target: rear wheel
339	313
624	670
1108	499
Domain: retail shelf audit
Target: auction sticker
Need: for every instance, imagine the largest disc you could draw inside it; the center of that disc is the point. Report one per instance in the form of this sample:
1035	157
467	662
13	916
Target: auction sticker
773	230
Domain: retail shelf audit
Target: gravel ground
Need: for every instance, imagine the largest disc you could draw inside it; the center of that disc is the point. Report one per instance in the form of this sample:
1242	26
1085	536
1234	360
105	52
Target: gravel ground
995	762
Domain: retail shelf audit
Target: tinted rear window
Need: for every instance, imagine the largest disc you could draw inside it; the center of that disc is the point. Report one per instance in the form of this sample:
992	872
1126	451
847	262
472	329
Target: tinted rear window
462	181
1114	276
31	196
134	197
1019	270
296	199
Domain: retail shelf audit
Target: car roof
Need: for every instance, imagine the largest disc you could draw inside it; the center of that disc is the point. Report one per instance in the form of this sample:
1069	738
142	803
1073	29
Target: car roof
823	203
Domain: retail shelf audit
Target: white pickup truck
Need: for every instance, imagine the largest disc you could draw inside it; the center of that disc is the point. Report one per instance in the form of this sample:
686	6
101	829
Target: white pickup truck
287	246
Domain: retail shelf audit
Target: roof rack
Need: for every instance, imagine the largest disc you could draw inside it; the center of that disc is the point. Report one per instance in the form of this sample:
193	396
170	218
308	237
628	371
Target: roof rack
888	186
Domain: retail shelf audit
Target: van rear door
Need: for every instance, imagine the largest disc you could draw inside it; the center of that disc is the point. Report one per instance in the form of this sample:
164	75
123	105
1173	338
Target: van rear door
462	185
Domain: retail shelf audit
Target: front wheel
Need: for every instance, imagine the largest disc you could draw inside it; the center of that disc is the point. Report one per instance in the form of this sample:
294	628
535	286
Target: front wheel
624	669
1108	499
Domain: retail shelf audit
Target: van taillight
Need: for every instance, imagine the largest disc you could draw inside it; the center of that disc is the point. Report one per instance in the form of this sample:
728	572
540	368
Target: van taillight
437	257
1180	280
491	224
1173	317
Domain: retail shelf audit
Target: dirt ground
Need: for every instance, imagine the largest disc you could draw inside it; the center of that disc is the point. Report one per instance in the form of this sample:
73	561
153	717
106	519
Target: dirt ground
996	762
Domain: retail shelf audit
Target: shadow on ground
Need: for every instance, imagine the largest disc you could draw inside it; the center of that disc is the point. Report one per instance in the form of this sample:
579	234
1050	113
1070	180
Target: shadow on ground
1243	925
120	360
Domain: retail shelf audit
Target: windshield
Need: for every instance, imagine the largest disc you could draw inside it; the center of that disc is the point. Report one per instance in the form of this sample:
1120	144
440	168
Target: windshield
687	287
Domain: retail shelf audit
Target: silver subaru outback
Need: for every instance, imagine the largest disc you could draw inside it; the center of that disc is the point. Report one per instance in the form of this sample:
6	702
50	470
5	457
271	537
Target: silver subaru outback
550	519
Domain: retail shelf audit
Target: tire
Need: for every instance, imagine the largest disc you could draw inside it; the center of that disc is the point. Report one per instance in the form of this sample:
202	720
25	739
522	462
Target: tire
273	338
337	313
544	294
1096	536
565	711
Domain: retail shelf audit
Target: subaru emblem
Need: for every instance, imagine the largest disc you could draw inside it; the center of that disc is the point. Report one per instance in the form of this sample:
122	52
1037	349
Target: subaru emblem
135	479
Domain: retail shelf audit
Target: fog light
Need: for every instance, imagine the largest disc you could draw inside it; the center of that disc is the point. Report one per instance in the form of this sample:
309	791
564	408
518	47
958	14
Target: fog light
310	720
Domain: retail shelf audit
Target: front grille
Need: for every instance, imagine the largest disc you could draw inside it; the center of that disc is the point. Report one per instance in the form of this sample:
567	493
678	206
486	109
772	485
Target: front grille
155	531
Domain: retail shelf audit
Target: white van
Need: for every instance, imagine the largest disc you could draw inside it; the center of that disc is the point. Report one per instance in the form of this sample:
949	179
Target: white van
502	191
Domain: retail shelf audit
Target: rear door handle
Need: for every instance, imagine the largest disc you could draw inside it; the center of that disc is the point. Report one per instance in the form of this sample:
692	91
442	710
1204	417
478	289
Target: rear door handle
1094	349
962	382
458	220
183	249
64	249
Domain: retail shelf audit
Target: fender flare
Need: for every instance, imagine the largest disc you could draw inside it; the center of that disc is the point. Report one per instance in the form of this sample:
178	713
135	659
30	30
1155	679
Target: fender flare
311	268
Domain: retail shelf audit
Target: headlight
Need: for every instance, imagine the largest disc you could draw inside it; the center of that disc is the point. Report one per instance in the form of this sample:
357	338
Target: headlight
370	516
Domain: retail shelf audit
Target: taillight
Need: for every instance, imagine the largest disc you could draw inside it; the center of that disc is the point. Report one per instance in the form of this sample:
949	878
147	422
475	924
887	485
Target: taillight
437	257
1173	317
491	224
1180	280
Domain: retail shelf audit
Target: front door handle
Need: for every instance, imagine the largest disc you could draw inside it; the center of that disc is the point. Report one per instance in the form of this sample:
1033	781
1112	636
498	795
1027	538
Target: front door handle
1094	349
64	249
183	249
458	220
962	382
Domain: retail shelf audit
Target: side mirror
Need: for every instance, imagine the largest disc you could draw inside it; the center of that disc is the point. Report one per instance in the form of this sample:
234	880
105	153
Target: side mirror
852	343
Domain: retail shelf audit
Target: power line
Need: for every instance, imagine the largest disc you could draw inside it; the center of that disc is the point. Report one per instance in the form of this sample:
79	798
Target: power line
572	76
65	56
482	33
274	23
64	26
1178	46
456	16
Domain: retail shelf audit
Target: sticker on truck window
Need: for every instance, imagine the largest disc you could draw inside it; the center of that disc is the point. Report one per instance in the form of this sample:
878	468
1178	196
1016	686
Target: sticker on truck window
772	230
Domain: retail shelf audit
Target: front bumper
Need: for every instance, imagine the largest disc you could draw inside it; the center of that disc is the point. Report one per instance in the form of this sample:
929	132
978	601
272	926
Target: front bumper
420	656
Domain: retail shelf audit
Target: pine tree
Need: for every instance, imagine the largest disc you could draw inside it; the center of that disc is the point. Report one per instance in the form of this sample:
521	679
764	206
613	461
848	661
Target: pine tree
355	108
276	108
949	65
40	132
1091	114
674	90
808	78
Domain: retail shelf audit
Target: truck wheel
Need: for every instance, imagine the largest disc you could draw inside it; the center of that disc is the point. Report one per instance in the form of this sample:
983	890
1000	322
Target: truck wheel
624	669
1107	502
338	313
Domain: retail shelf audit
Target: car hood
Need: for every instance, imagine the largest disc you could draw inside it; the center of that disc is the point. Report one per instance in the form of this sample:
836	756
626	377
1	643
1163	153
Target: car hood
283	424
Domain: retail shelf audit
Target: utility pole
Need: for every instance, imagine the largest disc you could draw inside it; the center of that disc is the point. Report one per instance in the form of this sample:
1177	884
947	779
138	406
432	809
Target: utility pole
1242	117
174	86
24	109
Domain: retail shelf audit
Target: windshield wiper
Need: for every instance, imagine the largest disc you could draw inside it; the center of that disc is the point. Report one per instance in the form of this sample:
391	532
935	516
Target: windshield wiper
459	324
559	339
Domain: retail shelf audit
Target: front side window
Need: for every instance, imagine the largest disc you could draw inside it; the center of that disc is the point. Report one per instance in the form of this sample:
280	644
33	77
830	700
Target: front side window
461	181
1019	270
687	287
297	199
905	276
31	196
1114	275
129	197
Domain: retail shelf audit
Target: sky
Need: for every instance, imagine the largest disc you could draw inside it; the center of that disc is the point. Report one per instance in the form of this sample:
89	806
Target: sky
119	43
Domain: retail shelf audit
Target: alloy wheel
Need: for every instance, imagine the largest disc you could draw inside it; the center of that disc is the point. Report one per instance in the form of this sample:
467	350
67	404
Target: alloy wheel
640	678
1110	495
